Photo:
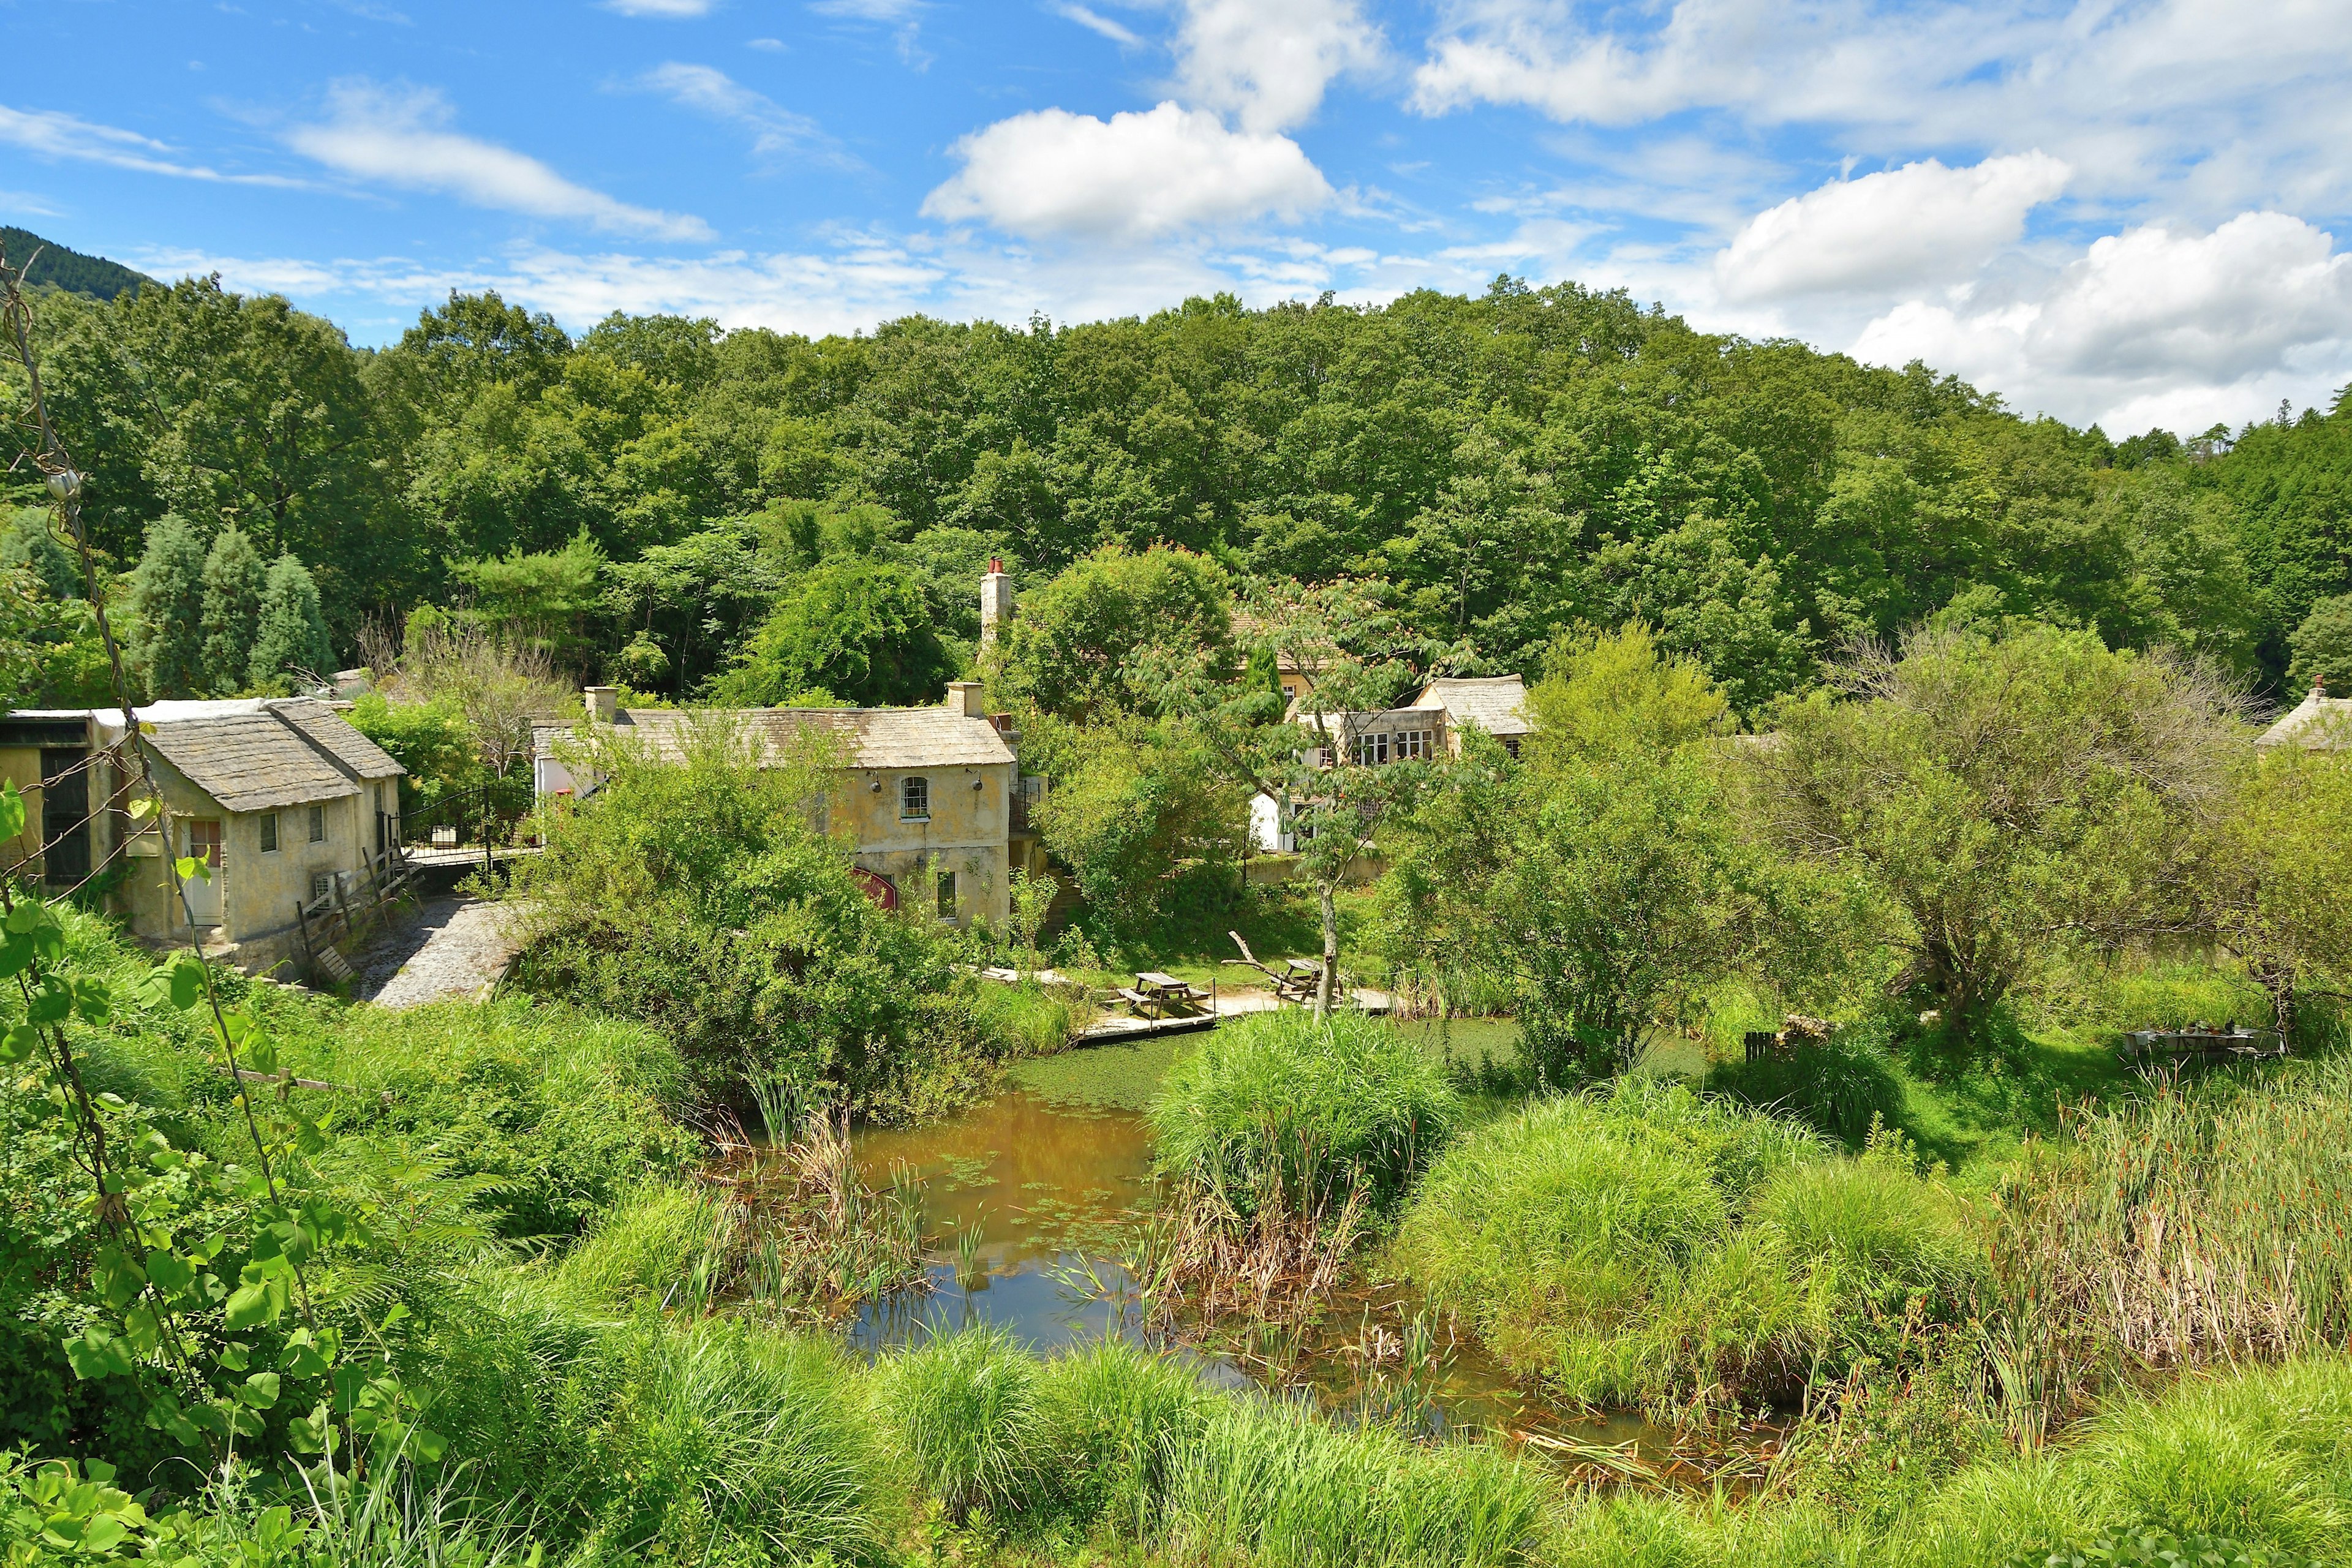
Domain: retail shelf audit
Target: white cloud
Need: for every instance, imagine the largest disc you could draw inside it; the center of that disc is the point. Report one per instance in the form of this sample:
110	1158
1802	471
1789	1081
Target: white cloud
1267	65
1094	21
776	131
663	8
1134	176
50	134
1920	222
2150	319
2192	95
400	136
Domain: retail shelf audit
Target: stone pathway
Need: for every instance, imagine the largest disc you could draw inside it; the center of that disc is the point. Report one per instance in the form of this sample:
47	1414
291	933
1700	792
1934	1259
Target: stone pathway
456	947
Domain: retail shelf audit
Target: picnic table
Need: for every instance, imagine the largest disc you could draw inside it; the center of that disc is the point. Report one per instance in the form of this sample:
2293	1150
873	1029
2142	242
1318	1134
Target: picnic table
2203	1040
1293	979
1157	995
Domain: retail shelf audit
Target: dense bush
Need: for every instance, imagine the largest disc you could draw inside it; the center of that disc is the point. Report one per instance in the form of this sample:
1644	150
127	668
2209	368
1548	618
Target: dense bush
1285	1107
1841	1086
697	894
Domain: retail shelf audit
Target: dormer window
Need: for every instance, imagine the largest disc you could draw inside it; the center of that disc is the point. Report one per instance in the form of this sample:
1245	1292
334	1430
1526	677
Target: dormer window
915	800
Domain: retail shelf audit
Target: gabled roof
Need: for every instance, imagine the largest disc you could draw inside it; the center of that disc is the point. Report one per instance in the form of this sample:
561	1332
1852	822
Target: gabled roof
250	762
2318	723
333	733
259	753
1494	703
874	737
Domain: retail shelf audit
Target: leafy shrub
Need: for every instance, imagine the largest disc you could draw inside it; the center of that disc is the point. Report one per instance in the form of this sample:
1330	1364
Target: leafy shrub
694	894
1284	1104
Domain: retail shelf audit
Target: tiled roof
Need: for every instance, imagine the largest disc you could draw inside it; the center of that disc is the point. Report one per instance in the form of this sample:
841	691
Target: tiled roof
1494	703
250	761
2319	723
876	737
359	756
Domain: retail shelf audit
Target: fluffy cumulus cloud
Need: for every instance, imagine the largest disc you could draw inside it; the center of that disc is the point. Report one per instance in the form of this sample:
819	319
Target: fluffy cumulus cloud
1921	223
1268	65
1135	176
402	136
2153	323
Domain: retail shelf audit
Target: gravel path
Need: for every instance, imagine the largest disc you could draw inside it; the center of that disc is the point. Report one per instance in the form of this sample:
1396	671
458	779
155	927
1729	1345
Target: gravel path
455	947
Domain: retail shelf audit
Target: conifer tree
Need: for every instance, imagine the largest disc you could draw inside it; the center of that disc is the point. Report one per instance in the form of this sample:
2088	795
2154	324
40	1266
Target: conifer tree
232	612
167	592
293	630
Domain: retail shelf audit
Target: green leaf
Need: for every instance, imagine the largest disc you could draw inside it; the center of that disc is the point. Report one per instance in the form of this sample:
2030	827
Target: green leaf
301	1357
50	1004
26	917
142	1331
233	1357
248	1307
12	810
187	983
16	953
308	1434
92	1001
18	1044
169	1272
191	870
95	1354
260	1390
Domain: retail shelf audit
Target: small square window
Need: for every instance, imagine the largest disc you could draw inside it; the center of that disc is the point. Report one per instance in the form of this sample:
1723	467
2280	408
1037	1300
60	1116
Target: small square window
270	833
318	824
915	800
322	884
946	895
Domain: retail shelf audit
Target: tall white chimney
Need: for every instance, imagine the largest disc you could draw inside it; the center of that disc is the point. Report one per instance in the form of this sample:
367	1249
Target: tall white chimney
995	602
603	702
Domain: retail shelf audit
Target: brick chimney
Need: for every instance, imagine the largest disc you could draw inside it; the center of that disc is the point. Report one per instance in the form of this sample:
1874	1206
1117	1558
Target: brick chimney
995	602
603	702
963	699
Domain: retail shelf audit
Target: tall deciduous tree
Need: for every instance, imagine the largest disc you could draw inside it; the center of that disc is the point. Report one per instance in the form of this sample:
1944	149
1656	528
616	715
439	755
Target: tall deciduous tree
1077	647
167	602
2323	648
2008	794
234	580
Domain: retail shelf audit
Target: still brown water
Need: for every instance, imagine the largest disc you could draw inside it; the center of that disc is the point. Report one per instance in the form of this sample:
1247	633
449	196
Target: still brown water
1045	1182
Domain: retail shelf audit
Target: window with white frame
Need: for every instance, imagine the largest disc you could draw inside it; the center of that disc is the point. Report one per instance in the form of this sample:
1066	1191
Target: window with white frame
1371	750
1411	744
914	800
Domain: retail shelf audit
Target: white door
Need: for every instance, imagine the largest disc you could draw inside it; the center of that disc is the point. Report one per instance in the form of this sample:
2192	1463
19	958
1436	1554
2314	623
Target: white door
203	895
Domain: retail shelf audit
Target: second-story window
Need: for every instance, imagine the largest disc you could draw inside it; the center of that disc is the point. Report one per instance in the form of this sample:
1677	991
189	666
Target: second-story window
914	800
318	824
1411	744
1371	750
270	833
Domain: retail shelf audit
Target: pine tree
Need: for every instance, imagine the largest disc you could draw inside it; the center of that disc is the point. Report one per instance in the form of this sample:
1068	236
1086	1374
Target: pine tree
293	632
231	614
167	595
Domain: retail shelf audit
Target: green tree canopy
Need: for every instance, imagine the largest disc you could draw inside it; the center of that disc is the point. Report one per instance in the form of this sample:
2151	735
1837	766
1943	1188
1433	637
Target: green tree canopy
234	581
2323	648
166	641
2008	794
1077	647
292	633
859	631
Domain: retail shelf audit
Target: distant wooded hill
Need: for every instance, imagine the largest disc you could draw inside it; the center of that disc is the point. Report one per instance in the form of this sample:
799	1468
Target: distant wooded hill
67	268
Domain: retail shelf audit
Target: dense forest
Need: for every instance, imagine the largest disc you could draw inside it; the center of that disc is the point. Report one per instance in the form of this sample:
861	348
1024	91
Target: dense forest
643	498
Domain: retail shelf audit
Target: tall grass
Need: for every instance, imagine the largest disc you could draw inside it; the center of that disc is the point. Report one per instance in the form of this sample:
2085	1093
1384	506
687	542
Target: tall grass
1271	1484
1283	1107
2195	1226
963	1408
1655	1242
667	1243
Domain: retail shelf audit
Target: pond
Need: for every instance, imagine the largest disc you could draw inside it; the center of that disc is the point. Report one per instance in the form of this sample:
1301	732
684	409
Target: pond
1029	1198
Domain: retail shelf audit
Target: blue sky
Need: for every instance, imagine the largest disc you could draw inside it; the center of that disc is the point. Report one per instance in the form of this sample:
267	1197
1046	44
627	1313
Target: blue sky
2134	212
